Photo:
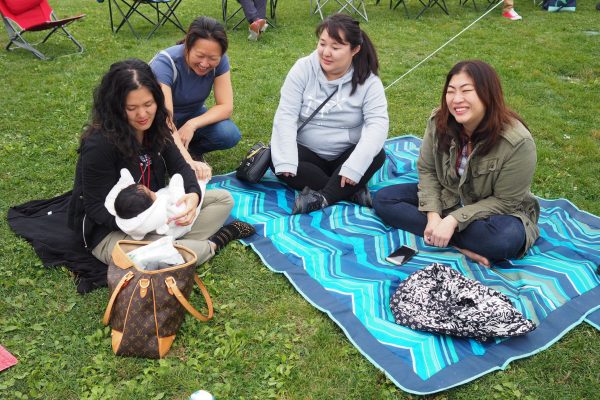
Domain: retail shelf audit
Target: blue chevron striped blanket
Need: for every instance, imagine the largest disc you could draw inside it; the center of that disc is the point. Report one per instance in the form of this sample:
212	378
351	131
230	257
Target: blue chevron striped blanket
335	259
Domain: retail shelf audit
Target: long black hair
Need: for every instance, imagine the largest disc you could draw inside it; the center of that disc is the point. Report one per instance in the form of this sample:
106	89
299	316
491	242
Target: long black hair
344	29
109	115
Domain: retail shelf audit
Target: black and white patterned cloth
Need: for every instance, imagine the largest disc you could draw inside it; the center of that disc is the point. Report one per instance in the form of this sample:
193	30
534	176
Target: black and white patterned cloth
439	299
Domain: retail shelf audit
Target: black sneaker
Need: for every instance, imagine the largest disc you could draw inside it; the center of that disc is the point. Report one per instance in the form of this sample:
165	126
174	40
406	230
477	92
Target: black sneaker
309	200
362	197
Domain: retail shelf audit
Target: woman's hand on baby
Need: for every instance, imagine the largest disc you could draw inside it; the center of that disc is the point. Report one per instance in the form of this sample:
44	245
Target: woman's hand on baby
186	217
203	170
345	181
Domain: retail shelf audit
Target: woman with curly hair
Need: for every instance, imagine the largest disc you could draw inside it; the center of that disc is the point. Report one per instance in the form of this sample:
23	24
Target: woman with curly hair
129	128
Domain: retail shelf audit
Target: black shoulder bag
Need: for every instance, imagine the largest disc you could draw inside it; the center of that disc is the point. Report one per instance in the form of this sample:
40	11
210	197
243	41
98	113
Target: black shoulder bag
257	159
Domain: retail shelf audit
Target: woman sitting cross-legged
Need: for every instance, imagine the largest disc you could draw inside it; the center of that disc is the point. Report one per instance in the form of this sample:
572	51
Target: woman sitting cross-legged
334	154
129	129
475	167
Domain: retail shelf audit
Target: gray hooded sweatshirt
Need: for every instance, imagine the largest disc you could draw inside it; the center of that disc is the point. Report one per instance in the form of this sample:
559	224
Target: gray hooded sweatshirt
360	119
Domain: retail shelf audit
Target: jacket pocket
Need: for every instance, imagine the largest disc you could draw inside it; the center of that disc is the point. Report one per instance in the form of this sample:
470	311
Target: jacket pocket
485	166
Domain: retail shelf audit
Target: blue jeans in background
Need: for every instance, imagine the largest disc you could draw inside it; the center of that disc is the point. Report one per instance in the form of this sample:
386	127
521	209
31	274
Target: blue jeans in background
221	135
496	237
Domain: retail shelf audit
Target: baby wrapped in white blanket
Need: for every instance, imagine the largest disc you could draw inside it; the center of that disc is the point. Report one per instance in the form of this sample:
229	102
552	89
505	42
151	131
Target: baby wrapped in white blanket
139	211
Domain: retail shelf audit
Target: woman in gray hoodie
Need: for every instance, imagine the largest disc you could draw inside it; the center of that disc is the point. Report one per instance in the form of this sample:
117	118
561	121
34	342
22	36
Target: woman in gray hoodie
333	156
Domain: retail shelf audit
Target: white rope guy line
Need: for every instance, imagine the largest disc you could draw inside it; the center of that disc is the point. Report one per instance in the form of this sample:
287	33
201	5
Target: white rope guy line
444	45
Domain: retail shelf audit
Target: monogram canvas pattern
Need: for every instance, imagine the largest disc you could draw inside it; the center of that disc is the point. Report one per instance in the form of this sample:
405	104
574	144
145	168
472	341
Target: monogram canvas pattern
143	320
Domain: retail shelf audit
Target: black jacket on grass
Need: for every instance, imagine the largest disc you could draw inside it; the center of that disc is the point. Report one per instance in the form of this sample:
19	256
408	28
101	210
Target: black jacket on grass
98	170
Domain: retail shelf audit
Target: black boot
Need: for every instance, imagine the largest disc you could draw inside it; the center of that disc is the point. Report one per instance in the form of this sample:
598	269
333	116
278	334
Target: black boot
362	197
309	200
235	230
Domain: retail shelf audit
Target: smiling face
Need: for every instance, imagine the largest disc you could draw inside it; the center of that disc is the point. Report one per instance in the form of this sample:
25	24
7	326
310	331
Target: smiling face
140	108
204	56
335	57
464	103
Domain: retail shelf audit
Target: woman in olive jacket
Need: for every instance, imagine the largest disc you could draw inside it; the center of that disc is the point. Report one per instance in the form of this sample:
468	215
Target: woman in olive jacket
475	167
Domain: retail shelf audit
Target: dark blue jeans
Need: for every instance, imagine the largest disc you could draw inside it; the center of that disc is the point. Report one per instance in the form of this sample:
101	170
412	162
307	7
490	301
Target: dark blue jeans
221	135
496	237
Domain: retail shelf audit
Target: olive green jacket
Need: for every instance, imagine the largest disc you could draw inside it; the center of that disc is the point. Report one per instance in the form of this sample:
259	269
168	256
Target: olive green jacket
497	183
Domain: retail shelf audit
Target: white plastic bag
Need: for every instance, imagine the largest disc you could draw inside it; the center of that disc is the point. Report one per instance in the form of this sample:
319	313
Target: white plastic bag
157	255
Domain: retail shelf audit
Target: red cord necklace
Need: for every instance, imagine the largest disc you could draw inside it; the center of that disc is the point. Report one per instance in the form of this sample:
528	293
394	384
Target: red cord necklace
145	166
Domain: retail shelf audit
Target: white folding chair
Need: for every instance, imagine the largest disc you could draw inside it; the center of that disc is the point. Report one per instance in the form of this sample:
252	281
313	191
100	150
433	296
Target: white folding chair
353	6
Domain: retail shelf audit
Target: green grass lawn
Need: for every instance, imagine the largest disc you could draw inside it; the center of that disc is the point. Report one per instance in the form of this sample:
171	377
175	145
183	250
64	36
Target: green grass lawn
266	341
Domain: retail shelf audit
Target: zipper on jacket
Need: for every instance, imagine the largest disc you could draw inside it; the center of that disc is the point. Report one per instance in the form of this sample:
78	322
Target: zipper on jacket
83	231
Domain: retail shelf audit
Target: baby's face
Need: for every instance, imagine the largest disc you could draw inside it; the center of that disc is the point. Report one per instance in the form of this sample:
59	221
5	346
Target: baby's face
149	193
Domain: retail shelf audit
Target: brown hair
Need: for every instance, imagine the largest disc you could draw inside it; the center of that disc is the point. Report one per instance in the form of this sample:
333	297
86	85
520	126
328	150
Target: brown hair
497	113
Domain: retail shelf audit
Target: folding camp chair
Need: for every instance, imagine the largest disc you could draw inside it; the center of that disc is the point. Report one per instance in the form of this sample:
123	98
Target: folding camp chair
403	2
356	6
228	17
163	11
427	4
21	16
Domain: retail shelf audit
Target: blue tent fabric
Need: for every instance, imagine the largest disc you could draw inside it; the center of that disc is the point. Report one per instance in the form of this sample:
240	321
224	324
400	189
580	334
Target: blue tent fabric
335	258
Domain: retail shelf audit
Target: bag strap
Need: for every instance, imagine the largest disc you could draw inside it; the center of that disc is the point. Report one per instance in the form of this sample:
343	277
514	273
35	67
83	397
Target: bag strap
126	278
306	121
174	290
164	53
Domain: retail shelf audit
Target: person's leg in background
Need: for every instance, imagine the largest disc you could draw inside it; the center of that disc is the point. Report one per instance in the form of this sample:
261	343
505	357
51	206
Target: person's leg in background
221	135
508	11
255	12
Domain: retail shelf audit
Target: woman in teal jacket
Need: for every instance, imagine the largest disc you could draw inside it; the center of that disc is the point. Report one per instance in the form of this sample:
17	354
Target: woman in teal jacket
475	167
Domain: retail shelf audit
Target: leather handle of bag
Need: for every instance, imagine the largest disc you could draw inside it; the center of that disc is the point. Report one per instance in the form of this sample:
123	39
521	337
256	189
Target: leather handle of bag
174	290
307	120
126	278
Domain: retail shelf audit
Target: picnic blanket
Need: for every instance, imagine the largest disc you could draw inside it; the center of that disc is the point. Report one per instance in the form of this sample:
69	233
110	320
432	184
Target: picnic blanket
335	258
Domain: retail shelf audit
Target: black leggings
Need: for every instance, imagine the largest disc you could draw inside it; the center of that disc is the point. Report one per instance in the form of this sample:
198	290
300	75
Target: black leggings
323	175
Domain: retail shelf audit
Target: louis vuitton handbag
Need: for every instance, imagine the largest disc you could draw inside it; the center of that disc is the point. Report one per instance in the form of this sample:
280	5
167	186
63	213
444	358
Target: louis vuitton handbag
146	308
